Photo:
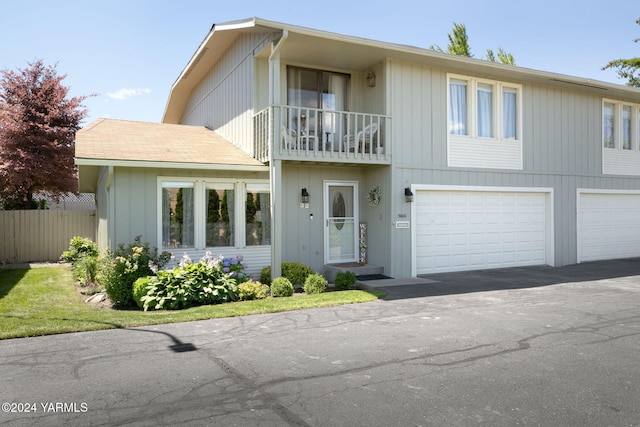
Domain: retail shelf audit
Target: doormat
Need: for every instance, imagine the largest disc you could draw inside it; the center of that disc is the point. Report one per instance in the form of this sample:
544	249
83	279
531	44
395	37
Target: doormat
366	277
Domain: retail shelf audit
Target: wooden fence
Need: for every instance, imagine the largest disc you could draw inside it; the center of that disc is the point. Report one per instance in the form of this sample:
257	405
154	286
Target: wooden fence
41	235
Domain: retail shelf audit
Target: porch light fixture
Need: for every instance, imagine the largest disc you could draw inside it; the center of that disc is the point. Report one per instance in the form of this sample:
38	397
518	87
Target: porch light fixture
304	196
408	195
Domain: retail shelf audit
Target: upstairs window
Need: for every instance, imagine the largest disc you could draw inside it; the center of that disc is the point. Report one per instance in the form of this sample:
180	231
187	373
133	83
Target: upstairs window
620	125
608	125
481	108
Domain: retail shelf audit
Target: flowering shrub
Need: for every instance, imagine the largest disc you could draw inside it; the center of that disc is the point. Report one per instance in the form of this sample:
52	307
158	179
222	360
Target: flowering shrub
125	265
189	284
235	267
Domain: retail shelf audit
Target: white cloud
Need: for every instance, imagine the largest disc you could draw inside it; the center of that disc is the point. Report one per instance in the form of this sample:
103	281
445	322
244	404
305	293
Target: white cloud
126	93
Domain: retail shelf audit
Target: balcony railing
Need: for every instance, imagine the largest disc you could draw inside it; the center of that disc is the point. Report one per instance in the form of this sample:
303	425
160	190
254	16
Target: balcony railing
295	133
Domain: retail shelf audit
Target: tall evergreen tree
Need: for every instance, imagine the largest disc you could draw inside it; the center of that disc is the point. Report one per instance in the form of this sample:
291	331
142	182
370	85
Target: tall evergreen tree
459	45
38	123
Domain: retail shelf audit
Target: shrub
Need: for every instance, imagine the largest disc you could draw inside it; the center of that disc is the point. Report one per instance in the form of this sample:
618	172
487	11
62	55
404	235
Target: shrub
265	276
120	268
345	280
86	269
281	287
189	285
296	272
78	248
315	284
252	290
140	289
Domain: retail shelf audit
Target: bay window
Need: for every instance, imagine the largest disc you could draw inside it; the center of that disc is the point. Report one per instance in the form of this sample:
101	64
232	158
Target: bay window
201	213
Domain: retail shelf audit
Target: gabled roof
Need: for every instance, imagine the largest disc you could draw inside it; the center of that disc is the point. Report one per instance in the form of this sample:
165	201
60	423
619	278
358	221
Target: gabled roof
339	51
108	142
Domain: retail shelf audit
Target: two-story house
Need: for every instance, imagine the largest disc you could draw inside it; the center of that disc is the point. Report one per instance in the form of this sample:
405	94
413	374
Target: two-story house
282	143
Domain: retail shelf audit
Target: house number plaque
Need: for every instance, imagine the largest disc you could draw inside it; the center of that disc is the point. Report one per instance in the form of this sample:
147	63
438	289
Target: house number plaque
362	242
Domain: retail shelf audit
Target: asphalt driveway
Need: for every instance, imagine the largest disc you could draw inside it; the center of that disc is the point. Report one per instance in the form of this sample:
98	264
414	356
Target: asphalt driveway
532	346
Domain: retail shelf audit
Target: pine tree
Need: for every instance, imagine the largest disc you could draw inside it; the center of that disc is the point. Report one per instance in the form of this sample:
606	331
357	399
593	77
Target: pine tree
38	123
459	45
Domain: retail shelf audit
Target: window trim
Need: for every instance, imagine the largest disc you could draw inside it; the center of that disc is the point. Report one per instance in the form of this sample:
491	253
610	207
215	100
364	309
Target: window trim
497	112
199	205
618	108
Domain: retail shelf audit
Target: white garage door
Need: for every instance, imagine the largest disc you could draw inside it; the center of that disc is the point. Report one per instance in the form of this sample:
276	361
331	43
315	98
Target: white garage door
608	226
472	230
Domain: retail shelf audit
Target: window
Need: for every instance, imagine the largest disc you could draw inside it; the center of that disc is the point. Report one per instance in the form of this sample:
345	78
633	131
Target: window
207	213
220	214
509	116
458	107
493	106
626	127
620	125
177	215
485	110
608	125
312	93
258	215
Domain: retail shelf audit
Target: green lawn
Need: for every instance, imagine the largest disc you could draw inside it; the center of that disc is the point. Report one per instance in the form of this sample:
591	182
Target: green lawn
43	301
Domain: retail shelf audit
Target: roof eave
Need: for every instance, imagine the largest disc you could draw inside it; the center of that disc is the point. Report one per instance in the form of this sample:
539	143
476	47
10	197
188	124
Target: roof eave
79	161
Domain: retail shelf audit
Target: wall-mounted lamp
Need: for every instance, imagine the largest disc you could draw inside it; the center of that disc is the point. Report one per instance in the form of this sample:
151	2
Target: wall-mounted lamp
305	196
408	195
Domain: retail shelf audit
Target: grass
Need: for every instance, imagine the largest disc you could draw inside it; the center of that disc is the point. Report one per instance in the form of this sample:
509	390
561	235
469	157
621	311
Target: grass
44	301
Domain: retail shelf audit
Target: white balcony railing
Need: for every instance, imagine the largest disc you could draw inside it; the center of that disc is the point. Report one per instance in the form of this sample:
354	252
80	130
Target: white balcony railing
321	135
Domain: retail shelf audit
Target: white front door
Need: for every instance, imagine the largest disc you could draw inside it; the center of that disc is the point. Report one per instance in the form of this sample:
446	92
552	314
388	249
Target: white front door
341	221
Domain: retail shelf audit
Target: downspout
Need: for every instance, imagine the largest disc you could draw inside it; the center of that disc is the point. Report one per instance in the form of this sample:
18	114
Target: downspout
275	166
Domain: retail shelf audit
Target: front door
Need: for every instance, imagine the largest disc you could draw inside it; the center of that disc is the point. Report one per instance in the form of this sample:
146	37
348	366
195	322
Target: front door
341	221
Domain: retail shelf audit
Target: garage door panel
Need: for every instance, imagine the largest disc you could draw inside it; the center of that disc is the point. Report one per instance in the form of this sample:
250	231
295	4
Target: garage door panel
608	226
466	230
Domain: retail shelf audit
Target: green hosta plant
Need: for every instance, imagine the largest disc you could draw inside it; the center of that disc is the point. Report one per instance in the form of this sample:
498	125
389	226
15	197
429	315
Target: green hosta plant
188	285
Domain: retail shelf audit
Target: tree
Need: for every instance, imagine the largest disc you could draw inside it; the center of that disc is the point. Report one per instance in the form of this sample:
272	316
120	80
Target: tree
627	68
38	123
459	45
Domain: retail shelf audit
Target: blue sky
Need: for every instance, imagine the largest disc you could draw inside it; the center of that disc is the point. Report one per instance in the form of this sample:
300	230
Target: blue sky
129	52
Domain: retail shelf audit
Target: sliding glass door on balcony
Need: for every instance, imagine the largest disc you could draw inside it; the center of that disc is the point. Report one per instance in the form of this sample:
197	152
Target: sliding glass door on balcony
316	94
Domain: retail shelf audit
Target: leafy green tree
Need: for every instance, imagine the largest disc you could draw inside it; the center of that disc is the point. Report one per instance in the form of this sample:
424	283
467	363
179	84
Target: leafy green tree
628	69
38	122
459	45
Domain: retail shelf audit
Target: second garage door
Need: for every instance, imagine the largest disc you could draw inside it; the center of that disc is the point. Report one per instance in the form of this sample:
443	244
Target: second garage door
608	225
471	230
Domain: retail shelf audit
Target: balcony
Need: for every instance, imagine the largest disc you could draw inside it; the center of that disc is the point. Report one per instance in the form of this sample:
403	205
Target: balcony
309	134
